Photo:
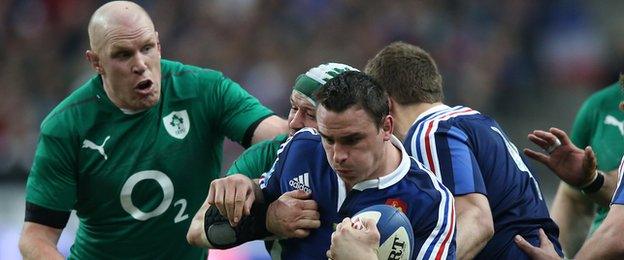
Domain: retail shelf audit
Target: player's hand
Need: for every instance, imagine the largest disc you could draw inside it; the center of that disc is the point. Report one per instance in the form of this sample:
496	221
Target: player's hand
233	196
546	250
573	165
292	215
354	240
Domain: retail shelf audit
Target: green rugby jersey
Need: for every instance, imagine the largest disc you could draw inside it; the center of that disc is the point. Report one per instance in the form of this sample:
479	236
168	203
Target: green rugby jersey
136	181
258	159
600	124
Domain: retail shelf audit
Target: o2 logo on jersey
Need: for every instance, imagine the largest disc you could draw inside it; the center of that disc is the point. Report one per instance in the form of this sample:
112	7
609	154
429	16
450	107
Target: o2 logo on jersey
167	187
177	124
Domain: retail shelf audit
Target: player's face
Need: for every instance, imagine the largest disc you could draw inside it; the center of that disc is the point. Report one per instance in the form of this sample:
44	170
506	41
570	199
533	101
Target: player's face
130	65
353	144
302	113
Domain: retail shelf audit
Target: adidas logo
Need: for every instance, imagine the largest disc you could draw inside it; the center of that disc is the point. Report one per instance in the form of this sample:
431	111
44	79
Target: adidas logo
301	182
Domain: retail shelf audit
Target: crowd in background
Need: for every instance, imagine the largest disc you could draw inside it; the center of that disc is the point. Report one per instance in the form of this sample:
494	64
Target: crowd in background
506	58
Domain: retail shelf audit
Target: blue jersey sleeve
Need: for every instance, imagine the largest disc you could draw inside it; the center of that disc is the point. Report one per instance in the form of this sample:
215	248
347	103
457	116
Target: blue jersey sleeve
270	180
618	196
434	220
446	152
292	159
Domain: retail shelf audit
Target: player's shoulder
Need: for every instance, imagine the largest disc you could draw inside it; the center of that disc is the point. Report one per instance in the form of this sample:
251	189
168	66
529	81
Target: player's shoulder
181	71
445	117
184	81
423	182
606	96
428	204
458	122
303	141
74	110
299	151
304	144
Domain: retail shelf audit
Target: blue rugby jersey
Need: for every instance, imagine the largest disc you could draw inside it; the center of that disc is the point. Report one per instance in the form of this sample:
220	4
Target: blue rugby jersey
471	154
618	196
302	164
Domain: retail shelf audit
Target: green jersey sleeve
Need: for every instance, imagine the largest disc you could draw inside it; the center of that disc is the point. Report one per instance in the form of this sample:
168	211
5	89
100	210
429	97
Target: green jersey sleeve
258	159
584	124
236	110
52	179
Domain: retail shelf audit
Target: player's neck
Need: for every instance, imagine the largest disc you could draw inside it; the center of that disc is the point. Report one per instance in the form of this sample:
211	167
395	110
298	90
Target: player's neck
390	160
393	157
405	115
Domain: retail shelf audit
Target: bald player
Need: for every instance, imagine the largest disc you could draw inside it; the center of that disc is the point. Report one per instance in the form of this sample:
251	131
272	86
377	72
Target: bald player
134	149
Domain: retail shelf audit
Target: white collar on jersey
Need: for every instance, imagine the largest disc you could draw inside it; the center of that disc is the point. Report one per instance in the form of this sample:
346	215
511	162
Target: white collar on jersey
391	178
131	112
430	111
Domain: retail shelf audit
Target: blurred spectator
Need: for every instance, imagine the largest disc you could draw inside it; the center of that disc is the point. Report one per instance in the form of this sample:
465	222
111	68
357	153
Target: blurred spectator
488	51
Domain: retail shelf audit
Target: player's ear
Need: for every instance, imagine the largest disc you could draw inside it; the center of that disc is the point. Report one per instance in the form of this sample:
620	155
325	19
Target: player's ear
94	61
387	126
158	43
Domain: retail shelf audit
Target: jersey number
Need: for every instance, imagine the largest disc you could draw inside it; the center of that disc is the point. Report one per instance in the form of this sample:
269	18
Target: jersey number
167	187
513	151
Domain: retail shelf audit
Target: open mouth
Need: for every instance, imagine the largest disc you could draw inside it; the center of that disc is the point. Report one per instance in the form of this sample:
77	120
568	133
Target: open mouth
143	85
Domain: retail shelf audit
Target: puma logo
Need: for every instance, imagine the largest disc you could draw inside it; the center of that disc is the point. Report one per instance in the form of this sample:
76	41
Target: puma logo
100	148
610	120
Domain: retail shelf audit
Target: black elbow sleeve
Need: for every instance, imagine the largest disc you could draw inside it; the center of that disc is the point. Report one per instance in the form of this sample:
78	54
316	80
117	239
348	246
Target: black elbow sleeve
223	236
45	216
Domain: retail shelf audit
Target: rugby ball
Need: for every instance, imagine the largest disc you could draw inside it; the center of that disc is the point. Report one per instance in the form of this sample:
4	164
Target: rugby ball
396	240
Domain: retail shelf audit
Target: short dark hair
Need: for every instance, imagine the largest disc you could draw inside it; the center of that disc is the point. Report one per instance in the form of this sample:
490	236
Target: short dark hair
354	88
408	73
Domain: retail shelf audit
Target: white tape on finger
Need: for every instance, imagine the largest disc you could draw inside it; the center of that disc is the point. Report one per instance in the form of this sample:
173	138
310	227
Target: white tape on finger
554	146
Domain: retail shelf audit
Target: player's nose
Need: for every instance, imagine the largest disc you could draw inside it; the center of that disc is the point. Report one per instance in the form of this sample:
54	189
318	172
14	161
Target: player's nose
340	154
297	121
139	65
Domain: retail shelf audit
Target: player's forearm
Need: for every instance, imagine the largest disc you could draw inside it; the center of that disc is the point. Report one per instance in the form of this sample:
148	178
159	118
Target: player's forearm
39	249
269	128
603	250
39	242
573	213
196	235
605	194
472	235
355	255
475	226
606	242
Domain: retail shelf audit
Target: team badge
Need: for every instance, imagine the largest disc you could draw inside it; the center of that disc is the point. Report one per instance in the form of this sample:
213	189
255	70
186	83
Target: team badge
177	124
397	203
